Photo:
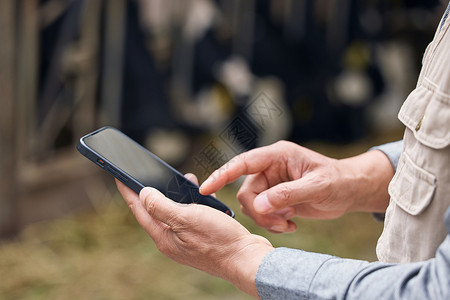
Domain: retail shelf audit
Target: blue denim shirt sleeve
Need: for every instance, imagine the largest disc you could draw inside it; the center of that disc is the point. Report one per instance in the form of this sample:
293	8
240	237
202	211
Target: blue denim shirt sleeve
392	151
294	274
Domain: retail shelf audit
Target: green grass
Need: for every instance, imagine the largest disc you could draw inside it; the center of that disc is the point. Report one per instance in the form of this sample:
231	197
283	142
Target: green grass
104	254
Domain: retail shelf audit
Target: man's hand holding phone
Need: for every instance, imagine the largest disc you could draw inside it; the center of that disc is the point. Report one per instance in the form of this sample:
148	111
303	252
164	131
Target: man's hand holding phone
199	236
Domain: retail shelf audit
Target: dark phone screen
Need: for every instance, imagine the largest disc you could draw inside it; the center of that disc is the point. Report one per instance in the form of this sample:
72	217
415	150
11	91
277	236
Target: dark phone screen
147	168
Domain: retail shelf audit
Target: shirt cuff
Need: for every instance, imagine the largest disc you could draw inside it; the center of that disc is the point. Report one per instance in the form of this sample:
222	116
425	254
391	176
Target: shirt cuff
295	274
287	273
392	151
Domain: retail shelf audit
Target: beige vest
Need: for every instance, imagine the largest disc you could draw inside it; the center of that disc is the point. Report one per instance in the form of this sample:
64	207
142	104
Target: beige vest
420	189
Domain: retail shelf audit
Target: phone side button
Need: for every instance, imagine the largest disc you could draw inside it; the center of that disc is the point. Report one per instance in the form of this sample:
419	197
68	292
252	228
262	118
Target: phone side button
122	178
116	174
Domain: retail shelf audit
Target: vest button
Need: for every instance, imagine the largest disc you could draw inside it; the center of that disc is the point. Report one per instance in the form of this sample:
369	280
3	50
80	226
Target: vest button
420	123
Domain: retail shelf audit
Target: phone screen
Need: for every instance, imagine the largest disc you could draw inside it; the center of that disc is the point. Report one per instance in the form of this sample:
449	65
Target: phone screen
128	161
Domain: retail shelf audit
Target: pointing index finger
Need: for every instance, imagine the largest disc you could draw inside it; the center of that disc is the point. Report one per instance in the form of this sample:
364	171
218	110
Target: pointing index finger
250	162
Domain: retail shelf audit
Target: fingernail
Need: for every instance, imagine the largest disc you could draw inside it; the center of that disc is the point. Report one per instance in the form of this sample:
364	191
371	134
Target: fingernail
262	204
277	228
143	194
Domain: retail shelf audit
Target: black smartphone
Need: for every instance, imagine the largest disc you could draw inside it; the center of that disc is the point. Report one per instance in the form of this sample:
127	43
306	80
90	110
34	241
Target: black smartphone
137	167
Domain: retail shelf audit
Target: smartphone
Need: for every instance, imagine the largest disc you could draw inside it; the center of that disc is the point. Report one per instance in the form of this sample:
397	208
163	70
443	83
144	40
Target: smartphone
137	167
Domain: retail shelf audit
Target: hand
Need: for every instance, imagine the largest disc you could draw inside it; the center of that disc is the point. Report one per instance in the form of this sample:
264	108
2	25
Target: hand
287	180
199	236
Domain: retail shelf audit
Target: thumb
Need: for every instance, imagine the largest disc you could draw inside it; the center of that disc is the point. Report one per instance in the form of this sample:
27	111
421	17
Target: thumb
159	206
280	196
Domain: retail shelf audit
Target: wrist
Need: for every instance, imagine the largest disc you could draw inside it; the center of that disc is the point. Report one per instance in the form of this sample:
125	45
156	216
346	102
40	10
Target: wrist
245	262
367	177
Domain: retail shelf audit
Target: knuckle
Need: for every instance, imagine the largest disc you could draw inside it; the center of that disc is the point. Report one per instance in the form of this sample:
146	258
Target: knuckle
150	202
284	195
283	144
243	159
150	206
241	195
132	207
280	143
245	196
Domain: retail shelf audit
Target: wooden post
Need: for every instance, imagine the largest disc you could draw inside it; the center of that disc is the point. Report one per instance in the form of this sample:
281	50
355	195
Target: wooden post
115	25
8	206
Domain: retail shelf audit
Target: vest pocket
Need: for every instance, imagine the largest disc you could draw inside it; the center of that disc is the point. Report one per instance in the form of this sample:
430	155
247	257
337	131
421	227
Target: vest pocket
412	187
426	112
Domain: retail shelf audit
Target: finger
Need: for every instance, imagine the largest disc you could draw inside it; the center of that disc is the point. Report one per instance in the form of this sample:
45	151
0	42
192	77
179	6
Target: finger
308	211
287	212
272	222
159	207
290	228
252	186
287	194
191	177
245	211
153	227
194	179
128	194
250	162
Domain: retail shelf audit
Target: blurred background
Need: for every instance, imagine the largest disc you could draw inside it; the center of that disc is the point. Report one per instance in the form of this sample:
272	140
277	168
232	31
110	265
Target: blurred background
196	82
